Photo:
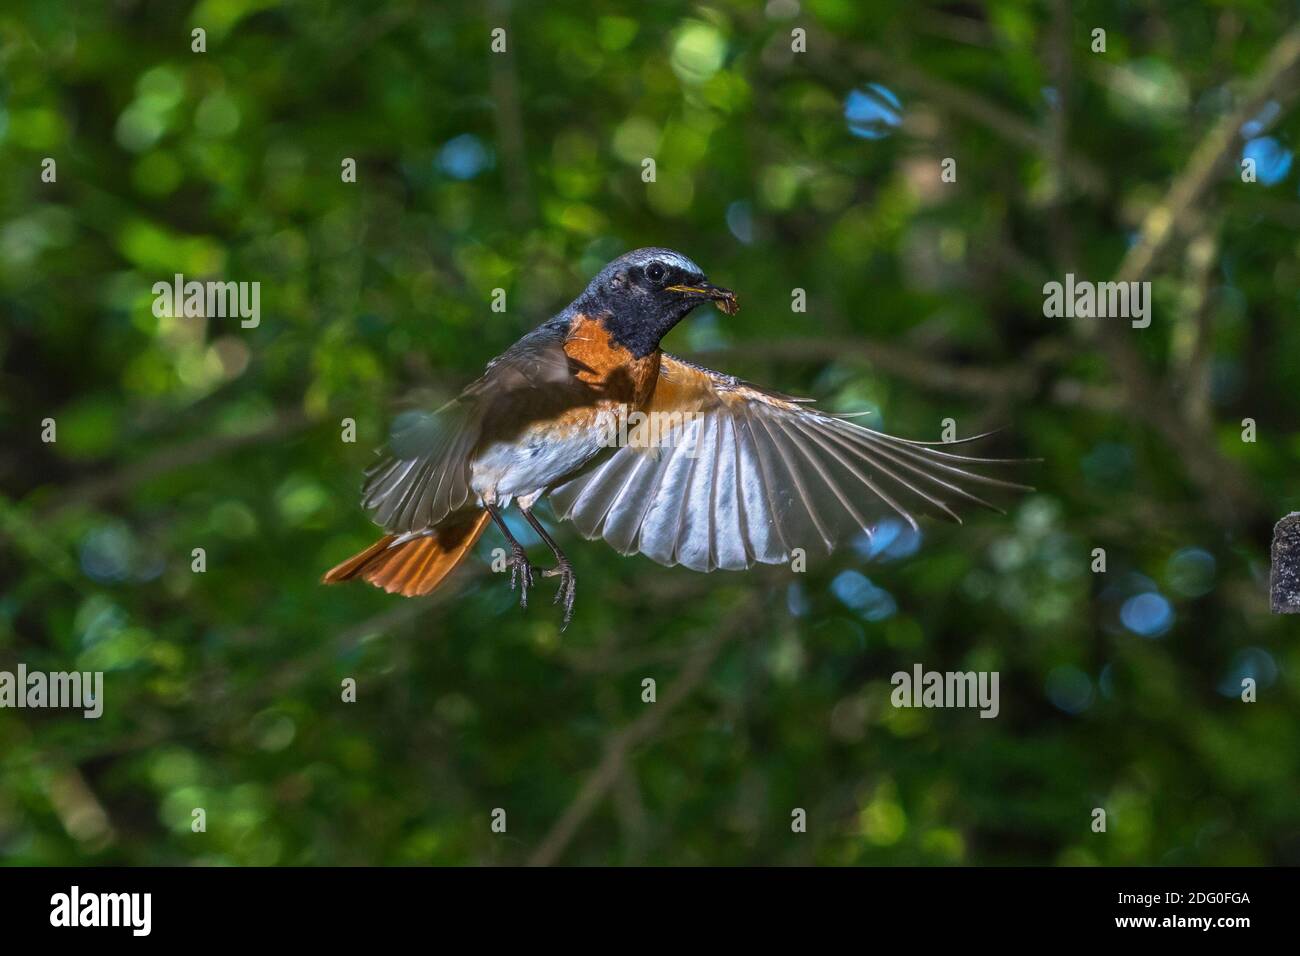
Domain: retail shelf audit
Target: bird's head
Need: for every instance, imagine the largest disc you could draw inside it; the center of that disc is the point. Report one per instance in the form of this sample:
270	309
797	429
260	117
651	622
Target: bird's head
640	296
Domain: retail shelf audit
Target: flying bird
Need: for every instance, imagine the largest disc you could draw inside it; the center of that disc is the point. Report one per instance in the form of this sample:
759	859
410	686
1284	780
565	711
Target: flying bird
654	454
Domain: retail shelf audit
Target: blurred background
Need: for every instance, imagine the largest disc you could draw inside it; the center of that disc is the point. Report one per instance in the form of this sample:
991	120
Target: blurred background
776	170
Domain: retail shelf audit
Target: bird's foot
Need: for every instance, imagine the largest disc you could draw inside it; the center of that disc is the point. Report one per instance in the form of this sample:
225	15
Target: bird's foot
567	591
521	574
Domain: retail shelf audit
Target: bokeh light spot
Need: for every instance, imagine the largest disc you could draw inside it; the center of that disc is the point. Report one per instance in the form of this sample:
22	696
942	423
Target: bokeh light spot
873	113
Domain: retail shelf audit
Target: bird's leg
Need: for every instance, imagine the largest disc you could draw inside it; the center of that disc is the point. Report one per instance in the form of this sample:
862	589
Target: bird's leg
521	572
563	570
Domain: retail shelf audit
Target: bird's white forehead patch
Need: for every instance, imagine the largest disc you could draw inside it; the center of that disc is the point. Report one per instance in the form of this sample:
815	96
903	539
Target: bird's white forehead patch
671	259
679	262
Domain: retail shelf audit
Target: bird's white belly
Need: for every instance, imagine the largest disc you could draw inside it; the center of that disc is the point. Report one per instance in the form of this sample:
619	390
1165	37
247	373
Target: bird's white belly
531	462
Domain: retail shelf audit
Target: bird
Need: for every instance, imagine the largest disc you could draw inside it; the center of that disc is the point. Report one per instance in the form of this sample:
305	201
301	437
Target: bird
652	453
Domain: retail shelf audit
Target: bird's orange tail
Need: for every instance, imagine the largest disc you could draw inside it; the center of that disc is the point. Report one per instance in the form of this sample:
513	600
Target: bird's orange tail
415	566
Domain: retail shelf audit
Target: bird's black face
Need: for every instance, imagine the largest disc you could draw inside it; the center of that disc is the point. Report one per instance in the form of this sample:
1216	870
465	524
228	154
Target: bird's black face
643	294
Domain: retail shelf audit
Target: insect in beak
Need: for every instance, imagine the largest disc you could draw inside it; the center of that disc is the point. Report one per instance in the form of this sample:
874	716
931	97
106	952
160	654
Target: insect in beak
724	298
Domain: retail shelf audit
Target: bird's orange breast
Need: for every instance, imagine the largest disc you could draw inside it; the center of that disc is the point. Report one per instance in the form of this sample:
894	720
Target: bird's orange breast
608	368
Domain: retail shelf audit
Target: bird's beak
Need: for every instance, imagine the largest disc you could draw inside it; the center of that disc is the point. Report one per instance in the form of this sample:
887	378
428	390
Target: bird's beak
725	298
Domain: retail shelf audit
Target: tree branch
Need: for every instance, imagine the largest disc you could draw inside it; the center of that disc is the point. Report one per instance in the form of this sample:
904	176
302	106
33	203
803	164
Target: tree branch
1168	218
620	746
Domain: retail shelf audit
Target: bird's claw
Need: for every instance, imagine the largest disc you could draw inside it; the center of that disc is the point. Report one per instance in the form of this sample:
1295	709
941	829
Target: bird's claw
567	591
521	574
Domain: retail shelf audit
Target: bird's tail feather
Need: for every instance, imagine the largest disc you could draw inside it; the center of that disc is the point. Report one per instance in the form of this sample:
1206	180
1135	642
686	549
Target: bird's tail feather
413	566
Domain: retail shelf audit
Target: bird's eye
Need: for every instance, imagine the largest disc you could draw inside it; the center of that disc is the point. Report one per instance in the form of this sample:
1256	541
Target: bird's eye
654	272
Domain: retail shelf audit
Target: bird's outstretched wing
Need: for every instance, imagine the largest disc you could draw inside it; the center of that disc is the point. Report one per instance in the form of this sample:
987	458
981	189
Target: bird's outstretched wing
748	475
424	473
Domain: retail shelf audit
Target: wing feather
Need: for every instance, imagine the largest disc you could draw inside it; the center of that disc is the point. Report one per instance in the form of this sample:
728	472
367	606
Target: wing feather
695	519
793	488
835	436
765	520
663	520
729	544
